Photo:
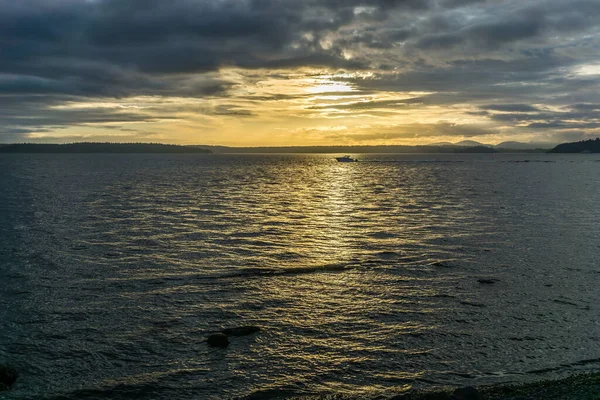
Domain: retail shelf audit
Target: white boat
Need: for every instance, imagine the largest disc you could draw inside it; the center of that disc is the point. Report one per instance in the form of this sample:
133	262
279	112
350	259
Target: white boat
346	159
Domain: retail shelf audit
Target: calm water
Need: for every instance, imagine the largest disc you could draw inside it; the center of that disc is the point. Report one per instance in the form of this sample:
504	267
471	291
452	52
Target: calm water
364	277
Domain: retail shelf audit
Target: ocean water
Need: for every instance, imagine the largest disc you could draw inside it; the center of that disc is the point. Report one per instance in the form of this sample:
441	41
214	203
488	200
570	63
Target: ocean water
364	277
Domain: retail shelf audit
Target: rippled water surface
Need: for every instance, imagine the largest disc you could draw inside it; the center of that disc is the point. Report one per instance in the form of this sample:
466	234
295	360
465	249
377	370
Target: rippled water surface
364	276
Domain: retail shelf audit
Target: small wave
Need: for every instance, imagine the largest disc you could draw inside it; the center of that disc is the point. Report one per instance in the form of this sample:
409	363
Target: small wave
156	386
524	338
415	161
472	304
260	272
387	255
579	363
531	161
268	394
382	235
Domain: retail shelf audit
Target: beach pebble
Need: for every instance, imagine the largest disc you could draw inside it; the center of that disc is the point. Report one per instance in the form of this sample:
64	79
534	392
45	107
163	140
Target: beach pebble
466	393
8	376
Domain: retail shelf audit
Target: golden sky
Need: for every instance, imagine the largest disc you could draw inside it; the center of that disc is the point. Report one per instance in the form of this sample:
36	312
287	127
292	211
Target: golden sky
277	72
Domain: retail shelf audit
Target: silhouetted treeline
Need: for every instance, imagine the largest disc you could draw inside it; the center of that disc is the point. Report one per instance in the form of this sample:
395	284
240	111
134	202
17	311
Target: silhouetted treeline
366	149
585	146
101	148
476	149
168	148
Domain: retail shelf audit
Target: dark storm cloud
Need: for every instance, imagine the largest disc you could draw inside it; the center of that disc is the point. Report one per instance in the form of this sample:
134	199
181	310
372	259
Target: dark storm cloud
585	107
174	36
510	107
500	57
564	125
22	114
486	35
512	23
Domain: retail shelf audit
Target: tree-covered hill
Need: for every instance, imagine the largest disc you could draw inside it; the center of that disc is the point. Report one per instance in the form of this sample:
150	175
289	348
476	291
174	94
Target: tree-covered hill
100	148
585	146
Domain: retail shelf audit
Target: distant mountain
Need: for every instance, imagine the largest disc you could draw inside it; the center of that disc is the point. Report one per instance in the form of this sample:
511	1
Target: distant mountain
391	149
471	143
100	148
441	144
586	146
465	146
509	145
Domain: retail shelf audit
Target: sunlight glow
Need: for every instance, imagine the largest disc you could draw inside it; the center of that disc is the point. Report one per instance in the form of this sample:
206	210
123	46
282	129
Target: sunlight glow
328	86
587	69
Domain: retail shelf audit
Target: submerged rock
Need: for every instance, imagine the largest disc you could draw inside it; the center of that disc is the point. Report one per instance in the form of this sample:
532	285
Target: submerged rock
487	281
8	376
241	330
466	393
218	340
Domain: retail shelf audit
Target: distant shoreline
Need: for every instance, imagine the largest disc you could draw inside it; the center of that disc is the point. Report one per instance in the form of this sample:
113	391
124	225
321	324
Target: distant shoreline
588	146
581	386
388	149
86	148
169	148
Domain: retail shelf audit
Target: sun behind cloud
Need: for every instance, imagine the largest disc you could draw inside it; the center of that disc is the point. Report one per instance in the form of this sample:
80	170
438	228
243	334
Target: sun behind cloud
308	72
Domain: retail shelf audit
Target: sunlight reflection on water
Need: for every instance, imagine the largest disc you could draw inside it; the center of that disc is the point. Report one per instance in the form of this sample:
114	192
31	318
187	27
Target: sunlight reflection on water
363	276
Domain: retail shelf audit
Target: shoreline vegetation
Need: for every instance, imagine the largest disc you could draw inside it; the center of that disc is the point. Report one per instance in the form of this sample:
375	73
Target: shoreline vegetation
586	146
73	148
91	147
392	149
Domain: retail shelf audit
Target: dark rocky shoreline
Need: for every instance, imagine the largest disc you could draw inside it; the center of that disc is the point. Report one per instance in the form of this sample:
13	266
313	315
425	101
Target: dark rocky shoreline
577	387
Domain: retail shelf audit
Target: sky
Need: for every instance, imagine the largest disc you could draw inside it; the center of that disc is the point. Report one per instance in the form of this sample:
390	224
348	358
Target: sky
299	72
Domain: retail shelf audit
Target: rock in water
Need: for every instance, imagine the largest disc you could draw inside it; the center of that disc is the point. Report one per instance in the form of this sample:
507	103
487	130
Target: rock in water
467	393
218	340
241	330
8	377
486	281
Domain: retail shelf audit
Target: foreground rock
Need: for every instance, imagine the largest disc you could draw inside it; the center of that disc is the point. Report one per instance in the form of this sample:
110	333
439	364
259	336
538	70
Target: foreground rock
218	340
241	331
8	376
577	387
466	393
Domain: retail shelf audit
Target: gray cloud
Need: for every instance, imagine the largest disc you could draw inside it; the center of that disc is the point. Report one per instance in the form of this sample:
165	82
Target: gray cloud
510	107
498	57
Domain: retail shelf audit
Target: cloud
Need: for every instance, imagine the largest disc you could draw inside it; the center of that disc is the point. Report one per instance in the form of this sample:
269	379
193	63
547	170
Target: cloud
500	63
510	107
411	131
